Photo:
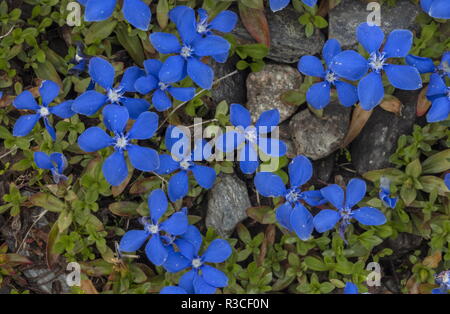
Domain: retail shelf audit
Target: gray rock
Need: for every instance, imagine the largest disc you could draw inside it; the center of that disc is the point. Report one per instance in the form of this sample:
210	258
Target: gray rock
264	90
345	18
403	244
323	168
45	278
285	136
232	89
287	36
227	204
378	139
317	138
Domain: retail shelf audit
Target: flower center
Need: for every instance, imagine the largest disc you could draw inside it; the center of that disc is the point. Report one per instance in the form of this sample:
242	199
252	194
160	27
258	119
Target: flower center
185	164
202	27
186	51
197	262
114	95
163	86
346	214
121	142
78	58
44	111
330	77
251	134
293	195
377	61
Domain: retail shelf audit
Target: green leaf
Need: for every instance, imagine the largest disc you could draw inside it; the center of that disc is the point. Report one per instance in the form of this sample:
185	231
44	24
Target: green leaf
99	31
320	22
315	263
162	13
396	176
414	169
293	98
432	183
125	209
437	163
264	214
408	194
48	202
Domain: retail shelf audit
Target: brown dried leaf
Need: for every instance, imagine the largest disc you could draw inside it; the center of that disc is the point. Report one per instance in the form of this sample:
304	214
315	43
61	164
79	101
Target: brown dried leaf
433	261
392	104
359	120
255	22
88	287
423	104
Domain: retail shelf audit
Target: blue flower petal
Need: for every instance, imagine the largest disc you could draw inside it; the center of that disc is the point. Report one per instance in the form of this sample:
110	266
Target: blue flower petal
178	141
26	101
269	184
129	78
161	101
115	118
172	290
310	3
439	110
155	250
398	44
137	13
89	103
240	116
60	161
176	224
331	49
63	110
182	93
403	76
356	190
370	37
25	124
135	106
165	42
224	22
201	287
229	141
172	70
200	73
248	159
214	277
49	128
440	9
133	240
447	180
167	165
152	67
43	161
326	219
146	84
177	13
312	66
283	215
210	46
370	91
217	252
187	281
300	171
314	198
272	147
144	127
48	90
318	95
99	10
277	5
437	86
157	204
423	65
369	216
115	168
350	288
102	72
205	176
143	158
94	139
267	121
187	26
178	186
334	194
347	93
302	222
194	237
175	261
349	65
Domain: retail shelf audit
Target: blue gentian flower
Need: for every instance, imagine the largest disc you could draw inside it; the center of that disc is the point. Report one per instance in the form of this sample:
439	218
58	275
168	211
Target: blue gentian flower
183	160
350	288
154	229
370	88
201	278
172	290
253	137
80	61
193	47
292	215
426	65
385	193
356	189
136	12
224	22
152	81
115	119
102	72
443	280
439	9
277	5
439	95
447	180
318	95
49	91
56	163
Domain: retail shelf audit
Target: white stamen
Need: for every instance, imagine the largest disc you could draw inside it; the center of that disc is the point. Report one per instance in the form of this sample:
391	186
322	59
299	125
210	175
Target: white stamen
330	77
197	262
114	95
251	135
186	51
163	86
44	111
153	229
185	164
376	62
121	142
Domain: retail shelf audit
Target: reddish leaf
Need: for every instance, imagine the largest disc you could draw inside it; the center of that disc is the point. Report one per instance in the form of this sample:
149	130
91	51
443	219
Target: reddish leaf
255	22
423	104
359	120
